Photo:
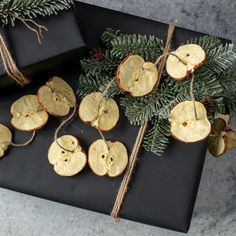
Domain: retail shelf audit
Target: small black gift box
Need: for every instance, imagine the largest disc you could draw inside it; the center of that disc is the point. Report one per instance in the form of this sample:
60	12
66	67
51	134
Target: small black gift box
61	44
162	191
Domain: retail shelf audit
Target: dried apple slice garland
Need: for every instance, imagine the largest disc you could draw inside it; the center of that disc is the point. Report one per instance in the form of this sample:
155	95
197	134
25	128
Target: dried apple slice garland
57	98
65	153
186	123
189	117
102	113
139	78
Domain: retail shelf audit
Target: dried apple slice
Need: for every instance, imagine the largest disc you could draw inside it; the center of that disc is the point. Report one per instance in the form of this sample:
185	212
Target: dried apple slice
57	97
225	117
27	114
107	158
185	127
192	56
231	139
136	76
5	139
217	140
70	159
100	112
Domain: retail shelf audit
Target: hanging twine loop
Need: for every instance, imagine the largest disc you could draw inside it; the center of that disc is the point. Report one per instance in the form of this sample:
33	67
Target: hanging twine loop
134	154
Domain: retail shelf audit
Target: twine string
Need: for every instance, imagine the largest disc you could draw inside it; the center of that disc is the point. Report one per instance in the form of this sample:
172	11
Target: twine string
61	126
133	157
26	143
99	107
167	54
192	79
192	95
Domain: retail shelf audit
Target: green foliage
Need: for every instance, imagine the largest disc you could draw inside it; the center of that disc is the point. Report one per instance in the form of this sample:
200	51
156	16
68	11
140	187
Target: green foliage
30	9
105	67
157	137
155	104
88	84
108	36
207	42
220	58
122	45
206	85
214	80
228	81
148	47
211	78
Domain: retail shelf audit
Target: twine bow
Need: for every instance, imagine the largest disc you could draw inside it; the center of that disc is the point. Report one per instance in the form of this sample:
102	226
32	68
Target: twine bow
134	154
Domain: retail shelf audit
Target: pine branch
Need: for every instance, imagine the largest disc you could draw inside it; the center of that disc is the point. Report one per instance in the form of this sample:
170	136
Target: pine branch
207	42
93	67
148	47
30	9
158	103
108	36
157	138
228	81
88	84
220	58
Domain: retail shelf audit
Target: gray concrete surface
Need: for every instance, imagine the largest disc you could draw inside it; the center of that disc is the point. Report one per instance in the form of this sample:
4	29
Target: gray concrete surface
215	211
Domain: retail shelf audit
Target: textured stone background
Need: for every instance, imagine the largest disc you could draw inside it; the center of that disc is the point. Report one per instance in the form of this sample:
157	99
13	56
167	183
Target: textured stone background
215	211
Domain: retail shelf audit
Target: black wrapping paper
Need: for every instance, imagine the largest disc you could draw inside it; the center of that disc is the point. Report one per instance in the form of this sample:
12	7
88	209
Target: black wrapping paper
162	191
61	45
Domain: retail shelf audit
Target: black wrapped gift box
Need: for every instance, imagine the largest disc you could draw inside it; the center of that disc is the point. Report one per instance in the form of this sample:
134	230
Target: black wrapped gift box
61	45
162	191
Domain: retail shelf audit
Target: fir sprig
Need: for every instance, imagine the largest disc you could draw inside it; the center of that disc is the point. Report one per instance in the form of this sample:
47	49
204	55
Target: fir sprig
157	137
155	104
148	47
220	58
93	67
121	45
228	81
207	42
9	9
88	84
